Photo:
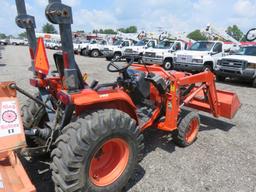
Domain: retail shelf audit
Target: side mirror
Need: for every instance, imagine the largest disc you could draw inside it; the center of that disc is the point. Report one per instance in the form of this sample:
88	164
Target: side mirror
251	35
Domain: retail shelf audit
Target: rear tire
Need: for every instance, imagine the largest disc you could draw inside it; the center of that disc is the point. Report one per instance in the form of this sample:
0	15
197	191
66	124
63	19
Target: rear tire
116	55
89	148
187	130
33	116
83	52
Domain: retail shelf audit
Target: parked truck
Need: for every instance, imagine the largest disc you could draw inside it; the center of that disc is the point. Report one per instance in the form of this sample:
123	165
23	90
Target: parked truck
162	54
16	41
95	47
241	65
117	49
137	50
201	56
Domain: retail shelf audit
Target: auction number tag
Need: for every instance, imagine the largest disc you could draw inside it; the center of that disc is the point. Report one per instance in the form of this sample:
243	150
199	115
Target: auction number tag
9	118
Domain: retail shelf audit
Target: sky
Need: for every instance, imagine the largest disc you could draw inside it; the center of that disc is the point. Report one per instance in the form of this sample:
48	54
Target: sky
171	15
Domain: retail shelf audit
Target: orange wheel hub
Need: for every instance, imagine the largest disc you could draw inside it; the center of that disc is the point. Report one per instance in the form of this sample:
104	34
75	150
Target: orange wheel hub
109	162
192	130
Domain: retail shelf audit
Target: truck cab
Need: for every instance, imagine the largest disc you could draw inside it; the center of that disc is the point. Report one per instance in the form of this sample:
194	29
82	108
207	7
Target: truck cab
241	65
137	50
162	54
117	49
201	56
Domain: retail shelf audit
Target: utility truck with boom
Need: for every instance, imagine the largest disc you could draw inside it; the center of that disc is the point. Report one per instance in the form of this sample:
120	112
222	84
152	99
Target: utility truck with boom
95	132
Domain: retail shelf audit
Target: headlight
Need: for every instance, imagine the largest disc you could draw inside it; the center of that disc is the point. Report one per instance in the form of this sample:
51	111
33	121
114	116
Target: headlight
197	60
251	65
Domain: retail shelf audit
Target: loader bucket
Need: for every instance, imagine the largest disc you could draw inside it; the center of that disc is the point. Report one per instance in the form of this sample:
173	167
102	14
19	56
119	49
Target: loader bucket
227	103
13	177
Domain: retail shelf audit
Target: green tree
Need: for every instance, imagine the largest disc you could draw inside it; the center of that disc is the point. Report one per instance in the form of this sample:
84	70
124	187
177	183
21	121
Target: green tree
235	32
2	36
23	35
49	28
109	31
196	35
131	29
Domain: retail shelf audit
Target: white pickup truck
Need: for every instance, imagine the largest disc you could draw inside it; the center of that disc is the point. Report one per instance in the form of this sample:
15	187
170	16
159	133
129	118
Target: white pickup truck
117	49
95	47
162	54
241	65
80	46
201	56
137	50
14	41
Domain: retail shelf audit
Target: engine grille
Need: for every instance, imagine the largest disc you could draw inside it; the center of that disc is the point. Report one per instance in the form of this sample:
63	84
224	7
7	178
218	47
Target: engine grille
150	54
233	63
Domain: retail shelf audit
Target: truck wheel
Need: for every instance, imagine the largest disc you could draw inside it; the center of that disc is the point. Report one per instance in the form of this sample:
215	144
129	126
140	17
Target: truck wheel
116	55
97	153
220	78
167	65
33	115
207	68
83	52
140	60
254	83
187	130
95	53
109	58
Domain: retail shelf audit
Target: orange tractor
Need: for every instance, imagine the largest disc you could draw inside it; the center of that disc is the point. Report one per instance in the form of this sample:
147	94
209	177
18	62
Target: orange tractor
95	132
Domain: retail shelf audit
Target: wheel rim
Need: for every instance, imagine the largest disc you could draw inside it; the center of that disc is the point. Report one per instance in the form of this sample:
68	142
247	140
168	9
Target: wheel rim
95	54
167	65
109	162
192	130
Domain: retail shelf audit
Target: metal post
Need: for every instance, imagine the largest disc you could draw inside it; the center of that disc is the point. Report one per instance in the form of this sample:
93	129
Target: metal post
58	13
25	21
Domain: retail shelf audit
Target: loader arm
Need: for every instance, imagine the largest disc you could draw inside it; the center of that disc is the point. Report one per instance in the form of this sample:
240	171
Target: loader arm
207	87
25	21
206	97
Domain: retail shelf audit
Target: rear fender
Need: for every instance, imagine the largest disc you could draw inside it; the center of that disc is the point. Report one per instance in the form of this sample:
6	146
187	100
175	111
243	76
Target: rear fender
106	99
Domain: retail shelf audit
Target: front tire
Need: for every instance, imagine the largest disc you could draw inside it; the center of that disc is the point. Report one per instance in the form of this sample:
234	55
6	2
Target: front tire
167	65
95	53
187	130
97	153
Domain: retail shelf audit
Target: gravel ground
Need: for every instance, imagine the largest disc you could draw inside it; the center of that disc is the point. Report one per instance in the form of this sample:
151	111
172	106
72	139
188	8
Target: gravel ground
223	159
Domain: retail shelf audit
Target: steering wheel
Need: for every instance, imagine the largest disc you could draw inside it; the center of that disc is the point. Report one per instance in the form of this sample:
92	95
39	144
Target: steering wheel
251	35
117	68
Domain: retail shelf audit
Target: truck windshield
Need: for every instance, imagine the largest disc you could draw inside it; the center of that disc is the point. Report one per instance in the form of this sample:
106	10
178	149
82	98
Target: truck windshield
118	42
140	43
202	46
247	51
164	45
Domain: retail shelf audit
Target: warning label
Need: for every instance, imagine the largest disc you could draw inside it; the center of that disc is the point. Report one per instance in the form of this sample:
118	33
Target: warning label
9	121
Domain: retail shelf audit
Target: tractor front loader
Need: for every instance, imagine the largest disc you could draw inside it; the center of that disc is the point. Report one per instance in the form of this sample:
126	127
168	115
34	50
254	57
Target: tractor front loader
95	132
